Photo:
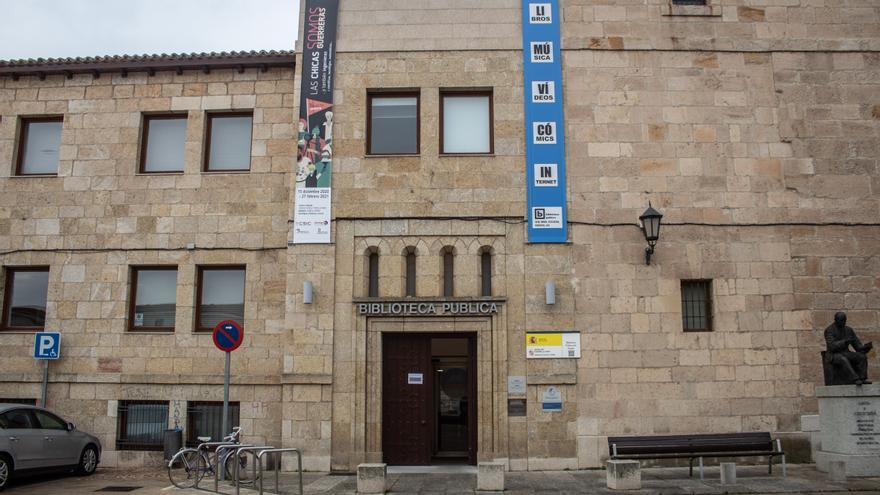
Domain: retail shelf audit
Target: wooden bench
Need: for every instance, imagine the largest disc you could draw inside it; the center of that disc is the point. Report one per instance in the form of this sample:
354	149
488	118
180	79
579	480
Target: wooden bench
697	446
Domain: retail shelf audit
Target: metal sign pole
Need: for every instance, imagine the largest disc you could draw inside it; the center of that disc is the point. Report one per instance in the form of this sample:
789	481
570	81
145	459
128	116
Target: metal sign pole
226	428
45	383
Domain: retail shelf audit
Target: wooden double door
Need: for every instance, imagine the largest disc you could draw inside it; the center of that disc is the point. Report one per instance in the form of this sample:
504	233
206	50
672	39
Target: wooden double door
429	413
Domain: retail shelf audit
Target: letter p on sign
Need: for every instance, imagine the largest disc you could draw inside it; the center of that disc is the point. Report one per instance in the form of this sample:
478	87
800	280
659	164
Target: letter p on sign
47	345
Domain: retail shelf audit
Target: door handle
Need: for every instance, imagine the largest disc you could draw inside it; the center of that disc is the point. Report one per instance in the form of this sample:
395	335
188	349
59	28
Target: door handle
13	439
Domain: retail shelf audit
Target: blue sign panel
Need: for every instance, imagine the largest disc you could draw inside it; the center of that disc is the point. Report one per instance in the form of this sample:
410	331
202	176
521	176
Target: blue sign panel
545	141
47	345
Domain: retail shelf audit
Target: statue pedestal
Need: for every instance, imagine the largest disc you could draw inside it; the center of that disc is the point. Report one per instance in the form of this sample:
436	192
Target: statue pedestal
849	420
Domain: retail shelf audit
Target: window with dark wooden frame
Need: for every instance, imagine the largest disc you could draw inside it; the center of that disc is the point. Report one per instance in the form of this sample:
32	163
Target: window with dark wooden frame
39	145
466	122
696	305
448	272
220	296
163	143
373	274
228	141
141	424
486	273
153	301
205	419
393	123
24	302
411	272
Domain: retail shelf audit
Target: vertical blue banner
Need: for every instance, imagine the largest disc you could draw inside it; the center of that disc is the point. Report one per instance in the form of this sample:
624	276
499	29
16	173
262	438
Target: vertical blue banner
545	141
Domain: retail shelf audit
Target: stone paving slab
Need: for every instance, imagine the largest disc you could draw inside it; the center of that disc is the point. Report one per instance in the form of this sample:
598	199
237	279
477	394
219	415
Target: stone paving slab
751	480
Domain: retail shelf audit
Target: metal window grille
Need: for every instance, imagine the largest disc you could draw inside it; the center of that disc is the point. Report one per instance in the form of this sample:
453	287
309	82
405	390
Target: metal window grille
373	289
204	419
448	273
141	425
486	274
29	402
696	305
411	274
688	2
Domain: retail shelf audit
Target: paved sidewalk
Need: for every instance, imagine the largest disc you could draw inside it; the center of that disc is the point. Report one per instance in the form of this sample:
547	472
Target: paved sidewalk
752	480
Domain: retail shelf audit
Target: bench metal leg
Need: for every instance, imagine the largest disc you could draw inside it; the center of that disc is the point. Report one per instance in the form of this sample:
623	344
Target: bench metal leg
770	465
691	467
784	474
701	469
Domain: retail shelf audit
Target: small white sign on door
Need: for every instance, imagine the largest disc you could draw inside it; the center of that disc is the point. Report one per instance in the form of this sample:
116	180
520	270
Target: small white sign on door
415	379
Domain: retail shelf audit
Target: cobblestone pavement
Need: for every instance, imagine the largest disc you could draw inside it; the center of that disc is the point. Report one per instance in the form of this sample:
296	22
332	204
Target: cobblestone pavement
752	480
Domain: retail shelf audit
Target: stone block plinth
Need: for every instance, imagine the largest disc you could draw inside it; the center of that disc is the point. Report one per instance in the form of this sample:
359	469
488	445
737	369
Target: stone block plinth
849	420
623	475
490	476
728	473
837	471
371	478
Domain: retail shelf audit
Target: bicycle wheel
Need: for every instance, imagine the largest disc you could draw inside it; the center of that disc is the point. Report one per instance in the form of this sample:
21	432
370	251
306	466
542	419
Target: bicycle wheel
245	468
187	468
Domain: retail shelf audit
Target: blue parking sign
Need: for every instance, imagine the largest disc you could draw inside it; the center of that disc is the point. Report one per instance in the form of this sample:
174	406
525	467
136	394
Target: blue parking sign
47	345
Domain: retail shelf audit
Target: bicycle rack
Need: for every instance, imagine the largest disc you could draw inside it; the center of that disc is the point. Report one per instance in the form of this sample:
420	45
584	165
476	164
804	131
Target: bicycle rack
218	468
278	467
246	449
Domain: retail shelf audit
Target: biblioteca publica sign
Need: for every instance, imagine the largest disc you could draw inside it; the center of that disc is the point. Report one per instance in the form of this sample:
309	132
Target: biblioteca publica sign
427	308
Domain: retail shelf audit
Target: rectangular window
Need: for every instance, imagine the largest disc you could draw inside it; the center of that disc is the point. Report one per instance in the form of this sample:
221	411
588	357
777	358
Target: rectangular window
696	305
163	143
466	122
688	2
141	424
393	123
24	306
204	419
228	147
153	299
221	296
39	145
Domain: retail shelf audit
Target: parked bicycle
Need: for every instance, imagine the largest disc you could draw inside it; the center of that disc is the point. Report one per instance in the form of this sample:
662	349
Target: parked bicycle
189	465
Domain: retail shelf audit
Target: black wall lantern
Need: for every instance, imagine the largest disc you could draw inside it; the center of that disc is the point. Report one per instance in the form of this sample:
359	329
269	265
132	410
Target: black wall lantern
650	220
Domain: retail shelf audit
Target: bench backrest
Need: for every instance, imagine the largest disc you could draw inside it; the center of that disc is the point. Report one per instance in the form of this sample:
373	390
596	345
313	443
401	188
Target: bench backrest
697	443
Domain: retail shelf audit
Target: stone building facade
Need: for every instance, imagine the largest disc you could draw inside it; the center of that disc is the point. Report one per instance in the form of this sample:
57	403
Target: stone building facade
752	126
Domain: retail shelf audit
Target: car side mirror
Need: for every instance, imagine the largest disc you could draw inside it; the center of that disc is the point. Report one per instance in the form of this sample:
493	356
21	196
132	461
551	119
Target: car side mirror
71	426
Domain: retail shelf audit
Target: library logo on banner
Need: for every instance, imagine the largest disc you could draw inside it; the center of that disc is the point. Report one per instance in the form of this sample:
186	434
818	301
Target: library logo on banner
547	217
542	52
543	92
540	13
544	132
546	175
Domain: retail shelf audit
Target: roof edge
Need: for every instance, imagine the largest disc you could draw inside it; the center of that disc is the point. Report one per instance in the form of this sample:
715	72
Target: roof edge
147	63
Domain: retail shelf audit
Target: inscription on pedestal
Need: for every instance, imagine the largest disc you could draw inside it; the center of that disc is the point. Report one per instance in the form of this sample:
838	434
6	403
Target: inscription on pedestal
865	421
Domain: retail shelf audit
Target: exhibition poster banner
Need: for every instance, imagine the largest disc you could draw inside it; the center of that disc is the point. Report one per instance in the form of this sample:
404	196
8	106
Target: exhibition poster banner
553	345
545	142
314	154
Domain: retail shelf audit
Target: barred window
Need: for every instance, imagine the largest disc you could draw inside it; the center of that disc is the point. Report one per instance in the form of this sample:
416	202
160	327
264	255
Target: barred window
696	305
688	2
205	419
29	402
141	424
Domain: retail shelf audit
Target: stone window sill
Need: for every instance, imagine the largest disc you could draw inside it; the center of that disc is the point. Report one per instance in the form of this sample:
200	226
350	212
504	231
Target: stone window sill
691	10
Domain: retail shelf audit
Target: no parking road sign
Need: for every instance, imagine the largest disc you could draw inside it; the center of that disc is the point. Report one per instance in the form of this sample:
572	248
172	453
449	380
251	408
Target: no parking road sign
228	335
47	345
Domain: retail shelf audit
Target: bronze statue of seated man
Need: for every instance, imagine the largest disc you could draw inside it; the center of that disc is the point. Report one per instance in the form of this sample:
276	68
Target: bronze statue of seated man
848	366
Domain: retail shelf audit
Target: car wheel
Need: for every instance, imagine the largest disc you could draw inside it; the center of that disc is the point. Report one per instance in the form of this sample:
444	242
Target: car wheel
5	472
88	461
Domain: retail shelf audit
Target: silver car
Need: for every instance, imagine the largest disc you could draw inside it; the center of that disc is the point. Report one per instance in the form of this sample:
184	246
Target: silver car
33	439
